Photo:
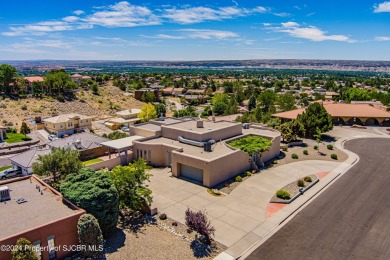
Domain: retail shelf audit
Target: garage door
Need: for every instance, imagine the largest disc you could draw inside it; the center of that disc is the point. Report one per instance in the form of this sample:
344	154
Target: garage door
192	173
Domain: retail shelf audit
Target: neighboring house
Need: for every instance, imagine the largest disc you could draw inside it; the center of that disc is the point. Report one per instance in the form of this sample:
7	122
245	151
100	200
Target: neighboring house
139	92
30	81
25	160
167	91
124	118
67	124
197	150
3	133
89	145
195	98
77	78
350	114
32	209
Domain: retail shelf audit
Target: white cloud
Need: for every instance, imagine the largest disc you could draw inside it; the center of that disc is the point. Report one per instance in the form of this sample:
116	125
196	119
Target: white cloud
382	38
123	14
38	29
282	14
310	33
204	34
70	19
42	43
78	12
200	14
382	8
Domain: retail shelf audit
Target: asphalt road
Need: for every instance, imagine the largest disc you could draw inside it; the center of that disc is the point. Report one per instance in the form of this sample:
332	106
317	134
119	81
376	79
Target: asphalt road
349	220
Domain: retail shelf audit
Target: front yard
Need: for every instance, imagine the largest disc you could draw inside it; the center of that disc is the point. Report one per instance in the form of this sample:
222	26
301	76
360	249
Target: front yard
16	138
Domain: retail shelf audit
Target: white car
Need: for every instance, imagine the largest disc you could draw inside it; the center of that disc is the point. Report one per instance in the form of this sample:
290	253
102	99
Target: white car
10	173
52	137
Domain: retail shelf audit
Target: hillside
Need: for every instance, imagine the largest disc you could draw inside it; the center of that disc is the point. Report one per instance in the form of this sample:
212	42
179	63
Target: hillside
109	100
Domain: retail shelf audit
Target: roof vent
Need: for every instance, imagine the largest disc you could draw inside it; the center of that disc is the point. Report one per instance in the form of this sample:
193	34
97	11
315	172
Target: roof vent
199	124
77	144
21	200
4	193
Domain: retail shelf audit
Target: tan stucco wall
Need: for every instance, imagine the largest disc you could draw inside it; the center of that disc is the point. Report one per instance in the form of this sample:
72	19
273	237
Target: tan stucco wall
143	132
214	171
158	152
273	151
218	134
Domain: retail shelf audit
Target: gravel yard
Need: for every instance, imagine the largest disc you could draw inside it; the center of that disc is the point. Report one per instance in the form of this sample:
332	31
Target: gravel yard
293	189
148	238
312	153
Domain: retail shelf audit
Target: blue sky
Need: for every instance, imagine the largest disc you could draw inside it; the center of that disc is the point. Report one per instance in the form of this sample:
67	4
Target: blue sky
194	30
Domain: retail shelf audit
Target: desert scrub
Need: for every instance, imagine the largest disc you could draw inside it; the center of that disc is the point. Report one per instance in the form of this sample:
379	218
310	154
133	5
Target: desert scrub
294	156
283	194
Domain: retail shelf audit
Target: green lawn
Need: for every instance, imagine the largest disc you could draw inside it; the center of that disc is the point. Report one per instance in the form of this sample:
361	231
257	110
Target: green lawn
92	161
16	138
252	144
3	168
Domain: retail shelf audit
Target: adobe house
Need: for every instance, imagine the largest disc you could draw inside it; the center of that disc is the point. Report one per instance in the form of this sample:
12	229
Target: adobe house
67	124
197	150
32	209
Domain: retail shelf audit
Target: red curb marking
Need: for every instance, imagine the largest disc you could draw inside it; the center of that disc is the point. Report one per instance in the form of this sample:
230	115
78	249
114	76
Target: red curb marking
273	208
322	175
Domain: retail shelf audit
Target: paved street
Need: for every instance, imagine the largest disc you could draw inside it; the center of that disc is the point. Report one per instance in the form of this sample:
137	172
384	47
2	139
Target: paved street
350	220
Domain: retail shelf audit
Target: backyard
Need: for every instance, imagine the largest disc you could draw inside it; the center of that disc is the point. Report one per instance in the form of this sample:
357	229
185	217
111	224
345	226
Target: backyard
92	161
3	168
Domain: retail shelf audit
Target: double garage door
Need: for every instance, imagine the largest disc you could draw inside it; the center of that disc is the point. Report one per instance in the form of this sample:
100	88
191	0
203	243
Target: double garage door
191	173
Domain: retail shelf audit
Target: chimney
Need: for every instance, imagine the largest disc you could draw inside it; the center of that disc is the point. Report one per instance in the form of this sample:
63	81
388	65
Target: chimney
199	124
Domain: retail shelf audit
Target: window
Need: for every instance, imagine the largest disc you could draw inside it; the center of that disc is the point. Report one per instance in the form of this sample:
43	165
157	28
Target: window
37	248
52	248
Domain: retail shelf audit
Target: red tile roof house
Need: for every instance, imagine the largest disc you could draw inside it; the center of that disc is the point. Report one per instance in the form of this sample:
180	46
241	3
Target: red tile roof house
350	114
30	83
32	209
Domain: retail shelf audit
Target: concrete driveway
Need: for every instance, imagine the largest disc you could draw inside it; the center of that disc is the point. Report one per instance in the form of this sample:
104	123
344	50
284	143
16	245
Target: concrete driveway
234	216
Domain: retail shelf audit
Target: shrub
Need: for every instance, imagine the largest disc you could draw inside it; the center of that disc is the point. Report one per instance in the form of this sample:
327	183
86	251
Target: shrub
333	156
90	236
23	107
316	147
294	156
284	148
24	250
198	222
61	98
248	173
238	179
329	146
94	192
283	194
275	162
307	179
301	183
305	152
174	224
163	216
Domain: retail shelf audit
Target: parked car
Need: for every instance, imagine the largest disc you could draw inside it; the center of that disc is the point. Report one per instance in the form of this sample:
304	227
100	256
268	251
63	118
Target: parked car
52	137
125	129
10	173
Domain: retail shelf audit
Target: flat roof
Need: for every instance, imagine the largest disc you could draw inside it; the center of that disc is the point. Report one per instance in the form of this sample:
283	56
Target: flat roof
190	126
148	126
218	149
38	210
122	143
166	121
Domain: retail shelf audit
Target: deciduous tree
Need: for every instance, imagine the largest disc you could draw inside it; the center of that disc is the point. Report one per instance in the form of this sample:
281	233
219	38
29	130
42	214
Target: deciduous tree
148	111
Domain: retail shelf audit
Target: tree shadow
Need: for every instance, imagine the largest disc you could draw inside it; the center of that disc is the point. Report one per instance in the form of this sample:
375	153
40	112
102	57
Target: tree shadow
201	250
114	240
328	138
